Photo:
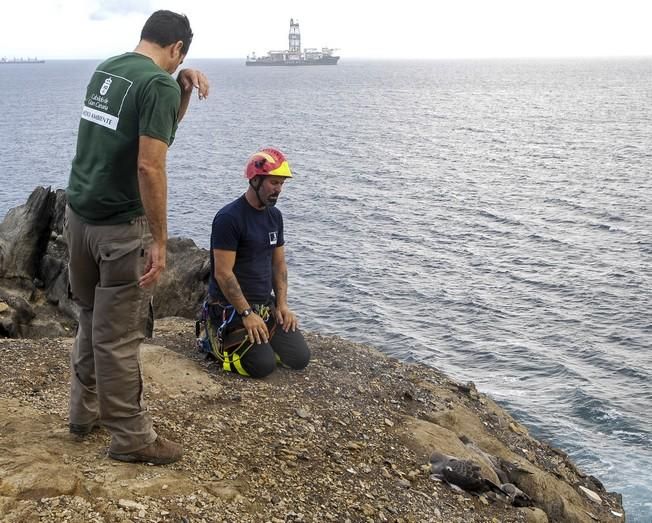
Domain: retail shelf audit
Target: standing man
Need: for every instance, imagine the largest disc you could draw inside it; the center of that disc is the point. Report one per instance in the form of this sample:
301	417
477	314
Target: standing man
116	229
249	328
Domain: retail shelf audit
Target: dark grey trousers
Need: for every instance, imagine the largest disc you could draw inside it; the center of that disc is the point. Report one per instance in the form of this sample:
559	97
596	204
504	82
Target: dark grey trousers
290	347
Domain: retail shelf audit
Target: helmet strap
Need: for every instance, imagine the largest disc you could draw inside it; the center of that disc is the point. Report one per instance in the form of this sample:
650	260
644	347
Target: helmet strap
256	188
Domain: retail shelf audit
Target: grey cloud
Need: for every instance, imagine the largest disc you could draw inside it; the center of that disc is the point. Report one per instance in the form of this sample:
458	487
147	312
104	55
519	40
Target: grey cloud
108	8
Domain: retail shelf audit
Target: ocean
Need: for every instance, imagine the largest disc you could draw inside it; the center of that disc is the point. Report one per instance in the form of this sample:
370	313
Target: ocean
492	219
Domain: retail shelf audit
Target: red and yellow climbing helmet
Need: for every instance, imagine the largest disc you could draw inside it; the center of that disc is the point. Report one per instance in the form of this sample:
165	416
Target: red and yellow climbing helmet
267	162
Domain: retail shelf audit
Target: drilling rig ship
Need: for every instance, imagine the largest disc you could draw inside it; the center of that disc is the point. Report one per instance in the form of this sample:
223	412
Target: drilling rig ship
294	55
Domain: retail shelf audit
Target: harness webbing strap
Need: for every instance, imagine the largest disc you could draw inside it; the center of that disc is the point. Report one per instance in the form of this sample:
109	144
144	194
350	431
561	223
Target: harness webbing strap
231	347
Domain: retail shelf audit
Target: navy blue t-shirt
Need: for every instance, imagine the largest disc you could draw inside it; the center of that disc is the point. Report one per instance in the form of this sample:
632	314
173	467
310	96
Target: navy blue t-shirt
253	234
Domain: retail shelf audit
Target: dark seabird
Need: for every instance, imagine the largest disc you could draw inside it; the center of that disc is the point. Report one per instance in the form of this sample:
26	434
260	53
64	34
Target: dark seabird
462	473
516	496
505	470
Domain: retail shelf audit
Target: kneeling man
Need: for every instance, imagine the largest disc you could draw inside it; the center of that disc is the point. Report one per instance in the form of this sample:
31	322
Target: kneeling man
250	327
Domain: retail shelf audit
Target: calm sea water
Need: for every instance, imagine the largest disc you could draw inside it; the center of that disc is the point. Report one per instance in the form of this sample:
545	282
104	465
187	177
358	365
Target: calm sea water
492	219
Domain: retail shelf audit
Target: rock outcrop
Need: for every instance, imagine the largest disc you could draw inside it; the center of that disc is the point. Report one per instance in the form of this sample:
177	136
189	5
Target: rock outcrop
23	235
34	274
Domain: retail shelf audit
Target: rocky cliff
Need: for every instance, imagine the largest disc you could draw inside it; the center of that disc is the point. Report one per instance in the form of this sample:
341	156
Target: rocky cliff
347	439
34	276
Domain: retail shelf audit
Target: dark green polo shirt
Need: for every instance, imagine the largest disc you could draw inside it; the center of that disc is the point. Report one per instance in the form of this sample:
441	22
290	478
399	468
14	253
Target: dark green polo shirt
128	96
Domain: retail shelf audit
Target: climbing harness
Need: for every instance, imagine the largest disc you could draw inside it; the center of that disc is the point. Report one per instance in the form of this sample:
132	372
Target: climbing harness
223	337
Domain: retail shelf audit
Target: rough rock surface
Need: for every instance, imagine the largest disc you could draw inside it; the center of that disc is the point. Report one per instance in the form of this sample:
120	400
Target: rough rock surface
347	439
34	274
23	234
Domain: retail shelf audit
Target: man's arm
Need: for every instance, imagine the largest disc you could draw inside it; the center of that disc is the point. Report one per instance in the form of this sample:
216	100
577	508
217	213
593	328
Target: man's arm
189	79
152	183
284	316
280	276
224	261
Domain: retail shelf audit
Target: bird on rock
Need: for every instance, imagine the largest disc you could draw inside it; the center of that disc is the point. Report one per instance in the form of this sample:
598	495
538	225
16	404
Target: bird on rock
462	473
506	471
516	496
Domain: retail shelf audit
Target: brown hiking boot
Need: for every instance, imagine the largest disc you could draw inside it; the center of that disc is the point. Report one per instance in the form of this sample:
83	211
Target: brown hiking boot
161	452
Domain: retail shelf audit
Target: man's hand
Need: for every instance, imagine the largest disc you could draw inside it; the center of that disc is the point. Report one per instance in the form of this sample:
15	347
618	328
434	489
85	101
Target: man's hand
154	265
190	79
286	318
256	328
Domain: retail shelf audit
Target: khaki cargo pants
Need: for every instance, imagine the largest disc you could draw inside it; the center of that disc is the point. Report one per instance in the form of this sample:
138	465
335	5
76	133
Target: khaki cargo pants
106	375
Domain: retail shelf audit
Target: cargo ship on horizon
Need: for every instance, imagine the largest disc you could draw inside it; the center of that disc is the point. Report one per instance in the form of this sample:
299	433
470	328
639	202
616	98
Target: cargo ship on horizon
4	60
294	55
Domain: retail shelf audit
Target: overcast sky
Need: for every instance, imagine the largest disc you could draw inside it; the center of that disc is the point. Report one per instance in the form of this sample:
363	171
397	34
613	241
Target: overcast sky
364	29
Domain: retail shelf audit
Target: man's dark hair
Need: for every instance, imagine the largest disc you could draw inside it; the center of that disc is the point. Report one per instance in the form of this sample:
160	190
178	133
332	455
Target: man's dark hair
165	28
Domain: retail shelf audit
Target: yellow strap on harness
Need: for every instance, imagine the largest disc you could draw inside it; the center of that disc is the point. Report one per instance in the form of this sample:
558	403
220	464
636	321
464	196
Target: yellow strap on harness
224	350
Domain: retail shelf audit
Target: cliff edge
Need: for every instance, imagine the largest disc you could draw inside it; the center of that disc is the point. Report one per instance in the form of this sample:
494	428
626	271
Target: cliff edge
347	439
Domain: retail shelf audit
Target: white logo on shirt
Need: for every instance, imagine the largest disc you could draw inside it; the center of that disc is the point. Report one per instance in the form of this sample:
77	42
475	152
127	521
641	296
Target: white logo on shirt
104	109
273	238
105	86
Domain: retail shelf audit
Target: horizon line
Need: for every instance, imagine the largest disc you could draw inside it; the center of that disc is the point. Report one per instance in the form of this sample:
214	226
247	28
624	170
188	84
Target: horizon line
385	58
